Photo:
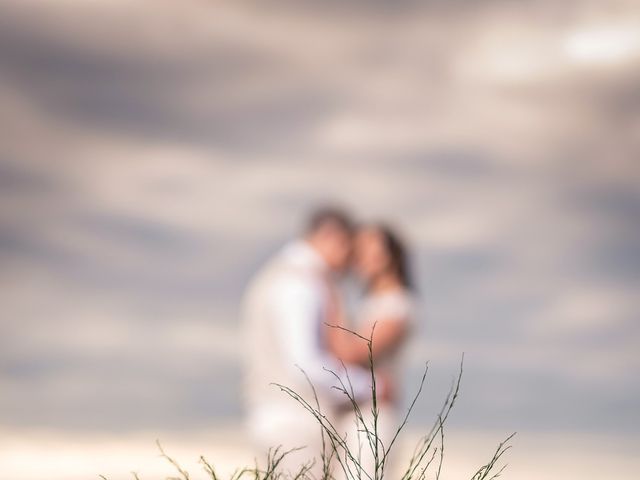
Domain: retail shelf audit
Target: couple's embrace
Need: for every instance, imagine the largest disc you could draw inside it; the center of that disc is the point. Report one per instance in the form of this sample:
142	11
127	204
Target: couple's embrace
288	308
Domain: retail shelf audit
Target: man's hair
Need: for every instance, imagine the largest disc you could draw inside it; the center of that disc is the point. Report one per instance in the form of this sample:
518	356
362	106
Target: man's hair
329	215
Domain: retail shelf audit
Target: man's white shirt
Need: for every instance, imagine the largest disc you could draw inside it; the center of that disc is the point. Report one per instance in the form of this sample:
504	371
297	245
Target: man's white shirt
300	302
284	317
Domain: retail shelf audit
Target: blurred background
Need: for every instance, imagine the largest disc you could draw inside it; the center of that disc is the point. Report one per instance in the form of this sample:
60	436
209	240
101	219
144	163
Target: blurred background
155	153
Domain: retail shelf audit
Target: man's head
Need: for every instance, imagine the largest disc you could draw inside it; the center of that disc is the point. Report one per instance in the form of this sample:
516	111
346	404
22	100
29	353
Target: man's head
330	231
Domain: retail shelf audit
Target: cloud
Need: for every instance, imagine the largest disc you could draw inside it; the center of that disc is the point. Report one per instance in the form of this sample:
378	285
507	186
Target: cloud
151	163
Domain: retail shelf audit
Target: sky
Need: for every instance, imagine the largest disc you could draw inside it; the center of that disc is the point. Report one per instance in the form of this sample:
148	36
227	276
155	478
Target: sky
155	154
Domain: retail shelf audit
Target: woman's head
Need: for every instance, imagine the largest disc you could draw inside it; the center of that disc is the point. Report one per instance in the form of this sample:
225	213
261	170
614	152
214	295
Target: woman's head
379	252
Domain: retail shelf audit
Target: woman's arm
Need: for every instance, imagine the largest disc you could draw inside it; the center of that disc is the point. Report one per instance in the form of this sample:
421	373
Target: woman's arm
388	334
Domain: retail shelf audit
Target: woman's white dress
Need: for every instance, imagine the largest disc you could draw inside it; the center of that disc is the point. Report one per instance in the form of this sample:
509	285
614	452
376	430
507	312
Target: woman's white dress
392	306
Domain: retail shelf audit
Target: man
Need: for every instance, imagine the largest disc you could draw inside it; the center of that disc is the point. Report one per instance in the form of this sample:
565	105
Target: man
286	308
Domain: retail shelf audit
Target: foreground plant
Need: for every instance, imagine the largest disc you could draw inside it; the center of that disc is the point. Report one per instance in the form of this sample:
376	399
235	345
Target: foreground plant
426	460
428	452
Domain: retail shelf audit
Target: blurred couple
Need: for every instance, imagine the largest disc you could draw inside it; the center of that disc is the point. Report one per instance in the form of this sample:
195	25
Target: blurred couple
288	307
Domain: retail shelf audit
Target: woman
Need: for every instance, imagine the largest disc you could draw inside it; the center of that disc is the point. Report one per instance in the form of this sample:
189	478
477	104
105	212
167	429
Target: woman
385	316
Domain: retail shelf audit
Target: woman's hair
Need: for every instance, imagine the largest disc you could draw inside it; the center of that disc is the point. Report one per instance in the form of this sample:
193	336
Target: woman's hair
397	251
